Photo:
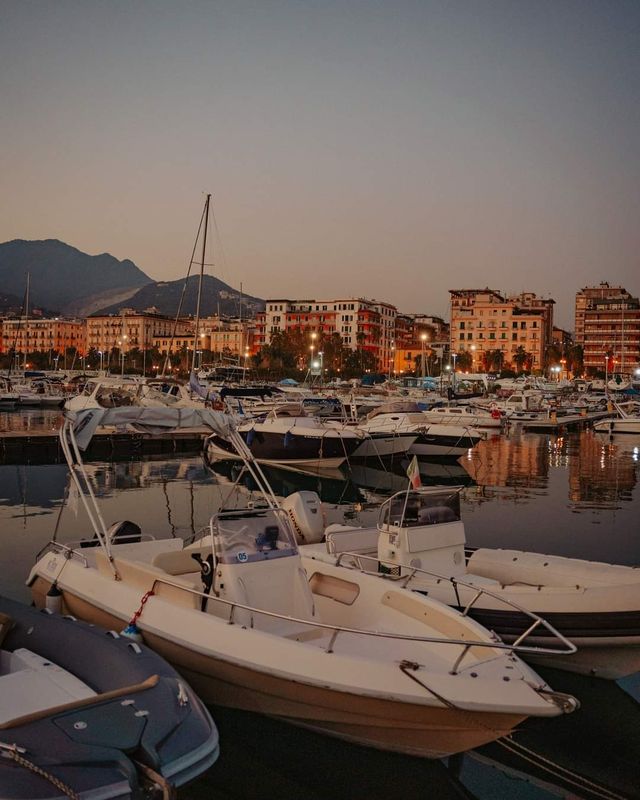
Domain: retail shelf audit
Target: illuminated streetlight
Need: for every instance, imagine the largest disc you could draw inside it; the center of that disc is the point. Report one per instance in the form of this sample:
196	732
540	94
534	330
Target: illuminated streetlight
423	337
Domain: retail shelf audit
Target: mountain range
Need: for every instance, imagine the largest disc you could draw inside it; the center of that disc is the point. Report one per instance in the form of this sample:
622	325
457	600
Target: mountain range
73	283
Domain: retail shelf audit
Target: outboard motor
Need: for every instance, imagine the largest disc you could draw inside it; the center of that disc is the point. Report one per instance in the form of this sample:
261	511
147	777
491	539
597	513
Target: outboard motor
305	511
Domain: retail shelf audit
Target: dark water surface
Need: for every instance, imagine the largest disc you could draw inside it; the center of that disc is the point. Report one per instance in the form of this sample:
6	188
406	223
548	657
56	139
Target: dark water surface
573	495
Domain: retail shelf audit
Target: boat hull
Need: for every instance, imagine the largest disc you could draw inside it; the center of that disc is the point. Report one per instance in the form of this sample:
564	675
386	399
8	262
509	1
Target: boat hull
383	723
608	642
274	448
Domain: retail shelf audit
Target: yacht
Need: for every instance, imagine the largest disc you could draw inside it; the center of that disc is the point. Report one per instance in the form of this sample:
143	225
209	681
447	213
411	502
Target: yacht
432	439
288	435
627	421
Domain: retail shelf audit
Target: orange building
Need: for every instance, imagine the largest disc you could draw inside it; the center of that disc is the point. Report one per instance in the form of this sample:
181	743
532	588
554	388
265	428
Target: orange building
54	336
484	320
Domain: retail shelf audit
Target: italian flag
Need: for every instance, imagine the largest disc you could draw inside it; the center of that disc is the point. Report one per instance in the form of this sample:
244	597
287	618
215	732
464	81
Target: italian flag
413	471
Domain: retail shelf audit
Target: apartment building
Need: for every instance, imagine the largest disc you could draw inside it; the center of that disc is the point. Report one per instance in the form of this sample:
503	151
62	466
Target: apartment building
608	327
369	324
227	335
485	320
418	334
134	330
52	336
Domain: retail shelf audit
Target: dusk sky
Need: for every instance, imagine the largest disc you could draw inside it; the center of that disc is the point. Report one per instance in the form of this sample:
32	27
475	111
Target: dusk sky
383	149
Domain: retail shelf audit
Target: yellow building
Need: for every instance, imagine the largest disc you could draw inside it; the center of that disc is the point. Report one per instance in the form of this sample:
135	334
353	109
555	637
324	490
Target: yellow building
135	330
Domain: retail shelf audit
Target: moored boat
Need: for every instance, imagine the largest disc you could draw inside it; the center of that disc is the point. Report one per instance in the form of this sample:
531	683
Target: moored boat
420	540
254	626
85	713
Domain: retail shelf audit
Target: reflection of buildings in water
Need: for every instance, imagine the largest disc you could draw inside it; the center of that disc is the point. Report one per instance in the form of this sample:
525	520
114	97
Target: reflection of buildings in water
519	462
603	474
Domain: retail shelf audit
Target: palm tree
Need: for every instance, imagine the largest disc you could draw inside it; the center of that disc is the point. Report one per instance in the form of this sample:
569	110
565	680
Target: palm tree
521	358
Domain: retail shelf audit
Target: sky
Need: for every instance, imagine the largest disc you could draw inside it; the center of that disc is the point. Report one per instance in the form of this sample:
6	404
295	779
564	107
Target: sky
392	150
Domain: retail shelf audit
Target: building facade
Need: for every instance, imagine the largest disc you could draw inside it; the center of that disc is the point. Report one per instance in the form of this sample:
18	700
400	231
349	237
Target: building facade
54	336
132	330
366	324
418	339
484	321
608	328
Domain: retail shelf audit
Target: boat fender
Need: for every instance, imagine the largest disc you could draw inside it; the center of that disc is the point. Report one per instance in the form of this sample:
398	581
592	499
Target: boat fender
132	632
53	599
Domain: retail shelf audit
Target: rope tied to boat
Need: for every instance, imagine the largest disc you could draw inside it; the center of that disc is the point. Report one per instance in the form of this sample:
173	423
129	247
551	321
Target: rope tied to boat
14	753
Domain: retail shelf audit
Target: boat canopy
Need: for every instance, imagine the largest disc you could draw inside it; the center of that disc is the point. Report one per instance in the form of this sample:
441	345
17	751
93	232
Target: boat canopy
142	419
399	407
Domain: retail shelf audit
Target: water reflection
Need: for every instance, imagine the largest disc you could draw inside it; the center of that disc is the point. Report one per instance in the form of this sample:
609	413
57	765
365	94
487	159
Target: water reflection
572	495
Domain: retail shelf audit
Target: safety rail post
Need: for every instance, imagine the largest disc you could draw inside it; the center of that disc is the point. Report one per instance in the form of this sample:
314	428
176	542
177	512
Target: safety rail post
458	661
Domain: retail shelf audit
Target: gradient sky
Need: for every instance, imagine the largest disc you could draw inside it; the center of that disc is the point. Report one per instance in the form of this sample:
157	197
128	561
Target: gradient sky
384	149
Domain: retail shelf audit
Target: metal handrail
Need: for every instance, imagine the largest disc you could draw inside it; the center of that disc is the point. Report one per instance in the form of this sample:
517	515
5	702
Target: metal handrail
67	552
233	605
537	620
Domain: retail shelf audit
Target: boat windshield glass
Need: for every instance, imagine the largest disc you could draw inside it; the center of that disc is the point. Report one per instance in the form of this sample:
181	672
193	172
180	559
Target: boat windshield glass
250	535
420	508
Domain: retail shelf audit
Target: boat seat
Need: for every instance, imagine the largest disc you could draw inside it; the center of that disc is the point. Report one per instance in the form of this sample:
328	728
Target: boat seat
146	577
345	539
180	562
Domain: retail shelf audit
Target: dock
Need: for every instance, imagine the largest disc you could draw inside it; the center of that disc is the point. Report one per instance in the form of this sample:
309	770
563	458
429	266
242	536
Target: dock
559	422
43	447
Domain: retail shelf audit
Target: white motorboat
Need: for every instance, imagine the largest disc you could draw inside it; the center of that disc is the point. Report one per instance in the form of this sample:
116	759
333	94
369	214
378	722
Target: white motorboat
627	421
465	415
420	541
287	435
432	439
40	393
252	625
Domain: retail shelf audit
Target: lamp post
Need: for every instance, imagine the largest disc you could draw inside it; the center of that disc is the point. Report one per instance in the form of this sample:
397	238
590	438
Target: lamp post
321	356
473	357
312	348
392	355
453	378
423	338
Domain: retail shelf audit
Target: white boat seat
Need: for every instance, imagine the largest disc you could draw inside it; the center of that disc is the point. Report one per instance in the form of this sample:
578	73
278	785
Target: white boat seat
345	539
180	562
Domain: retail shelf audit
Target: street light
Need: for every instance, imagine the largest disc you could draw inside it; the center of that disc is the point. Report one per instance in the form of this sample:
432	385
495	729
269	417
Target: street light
423	337
101	354
392	358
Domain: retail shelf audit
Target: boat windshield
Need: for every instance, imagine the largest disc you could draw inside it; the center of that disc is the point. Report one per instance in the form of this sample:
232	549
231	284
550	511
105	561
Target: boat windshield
250	534
418	508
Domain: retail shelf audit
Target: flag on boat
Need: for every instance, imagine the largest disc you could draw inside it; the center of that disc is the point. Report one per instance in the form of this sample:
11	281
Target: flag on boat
413	471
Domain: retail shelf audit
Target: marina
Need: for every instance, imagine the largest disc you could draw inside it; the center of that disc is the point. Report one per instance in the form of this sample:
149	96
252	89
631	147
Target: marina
572	494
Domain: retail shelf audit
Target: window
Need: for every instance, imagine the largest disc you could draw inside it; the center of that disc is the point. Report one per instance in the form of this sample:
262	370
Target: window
514	337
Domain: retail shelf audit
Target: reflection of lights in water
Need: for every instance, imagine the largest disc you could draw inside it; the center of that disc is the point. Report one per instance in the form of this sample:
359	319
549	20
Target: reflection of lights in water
634	454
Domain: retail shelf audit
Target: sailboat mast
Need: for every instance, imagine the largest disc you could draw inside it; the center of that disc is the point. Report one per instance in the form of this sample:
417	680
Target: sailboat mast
26	321
204	248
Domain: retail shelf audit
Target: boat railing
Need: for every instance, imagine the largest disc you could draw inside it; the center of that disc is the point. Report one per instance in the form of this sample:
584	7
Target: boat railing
69	549
404	580
495	642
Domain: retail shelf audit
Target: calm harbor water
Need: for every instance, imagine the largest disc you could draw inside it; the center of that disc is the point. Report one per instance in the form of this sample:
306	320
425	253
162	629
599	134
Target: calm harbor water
573	495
